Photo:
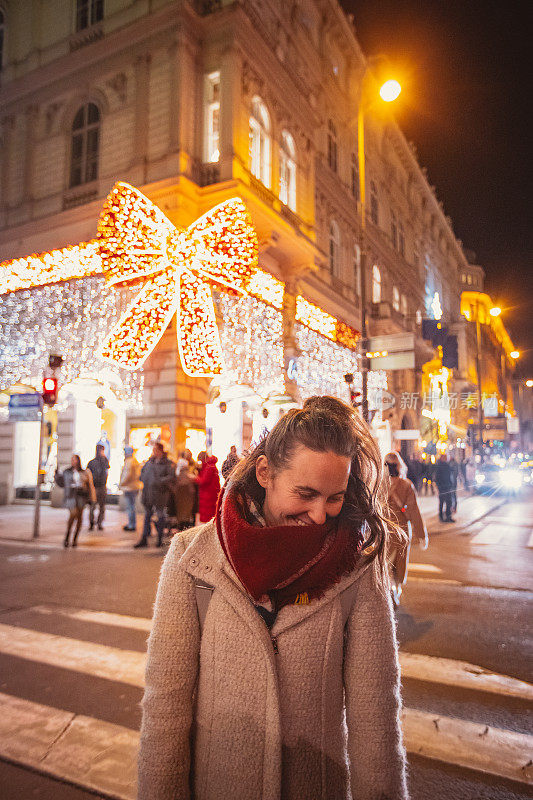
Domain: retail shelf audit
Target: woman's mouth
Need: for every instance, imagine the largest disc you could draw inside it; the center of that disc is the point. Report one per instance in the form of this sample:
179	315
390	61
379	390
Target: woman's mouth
298	521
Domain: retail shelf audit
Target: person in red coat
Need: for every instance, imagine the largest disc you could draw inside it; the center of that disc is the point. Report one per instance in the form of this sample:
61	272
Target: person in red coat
208	481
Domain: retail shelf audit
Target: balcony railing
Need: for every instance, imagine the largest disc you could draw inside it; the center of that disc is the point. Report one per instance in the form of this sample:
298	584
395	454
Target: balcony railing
205	174
86	36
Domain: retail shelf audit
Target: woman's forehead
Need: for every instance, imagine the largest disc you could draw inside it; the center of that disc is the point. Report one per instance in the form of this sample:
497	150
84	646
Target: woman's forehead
306	466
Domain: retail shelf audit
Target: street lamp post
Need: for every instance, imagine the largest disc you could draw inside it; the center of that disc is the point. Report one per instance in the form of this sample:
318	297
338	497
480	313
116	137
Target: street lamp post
389	91
478	375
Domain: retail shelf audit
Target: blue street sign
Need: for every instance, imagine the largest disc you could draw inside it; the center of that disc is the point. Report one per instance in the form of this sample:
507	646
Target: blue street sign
25	407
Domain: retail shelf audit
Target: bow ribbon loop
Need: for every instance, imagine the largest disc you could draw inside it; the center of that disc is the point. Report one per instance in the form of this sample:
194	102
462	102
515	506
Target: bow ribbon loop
138	242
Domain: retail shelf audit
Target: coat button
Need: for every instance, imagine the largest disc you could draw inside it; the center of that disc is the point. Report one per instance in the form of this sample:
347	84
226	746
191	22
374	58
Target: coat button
208	569
193	562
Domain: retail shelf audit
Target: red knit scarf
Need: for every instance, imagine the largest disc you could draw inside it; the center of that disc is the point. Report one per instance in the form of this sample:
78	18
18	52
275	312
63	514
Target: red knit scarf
285	561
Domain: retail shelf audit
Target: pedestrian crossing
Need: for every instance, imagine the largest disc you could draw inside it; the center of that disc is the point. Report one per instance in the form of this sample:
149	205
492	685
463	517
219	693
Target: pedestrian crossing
100	756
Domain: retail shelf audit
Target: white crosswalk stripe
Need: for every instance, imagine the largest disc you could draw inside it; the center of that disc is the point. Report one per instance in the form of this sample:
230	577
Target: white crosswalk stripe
102	661
100	756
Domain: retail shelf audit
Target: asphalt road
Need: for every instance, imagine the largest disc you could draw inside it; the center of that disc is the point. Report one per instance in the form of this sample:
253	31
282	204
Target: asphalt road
467	599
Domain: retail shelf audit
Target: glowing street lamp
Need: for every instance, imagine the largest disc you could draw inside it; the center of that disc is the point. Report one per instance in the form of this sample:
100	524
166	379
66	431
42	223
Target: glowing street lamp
388	92
514	354
495	311
529	383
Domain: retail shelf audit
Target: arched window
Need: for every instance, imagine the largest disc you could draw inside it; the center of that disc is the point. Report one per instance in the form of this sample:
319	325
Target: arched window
357	267
332	146
2	36
212	118
403	305
395	298
355	177
85	144
260	141
376	284
374	205
88	12
287	171
334	248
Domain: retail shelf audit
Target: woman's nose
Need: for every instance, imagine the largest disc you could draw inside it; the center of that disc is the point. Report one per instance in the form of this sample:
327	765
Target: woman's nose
317	512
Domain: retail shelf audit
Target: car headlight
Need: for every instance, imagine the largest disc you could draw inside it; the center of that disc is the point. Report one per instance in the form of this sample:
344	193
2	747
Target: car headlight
511	478
480	478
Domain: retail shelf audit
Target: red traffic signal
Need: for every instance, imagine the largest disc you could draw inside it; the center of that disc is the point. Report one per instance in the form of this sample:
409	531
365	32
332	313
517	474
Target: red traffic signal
49	391
355	398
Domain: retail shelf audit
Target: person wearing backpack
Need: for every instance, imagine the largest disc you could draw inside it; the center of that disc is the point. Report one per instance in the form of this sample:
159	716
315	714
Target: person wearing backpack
404	511
99	467
286	683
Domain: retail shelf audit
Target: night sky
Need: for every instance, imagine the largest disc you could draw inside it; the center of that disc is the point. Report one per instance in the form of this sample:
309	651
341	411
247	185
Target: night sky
466	70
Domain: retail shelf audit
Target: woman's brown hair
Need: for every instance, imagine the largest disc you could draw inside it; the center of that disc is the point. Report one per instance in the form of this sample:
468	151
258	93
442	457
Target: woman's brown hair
327	424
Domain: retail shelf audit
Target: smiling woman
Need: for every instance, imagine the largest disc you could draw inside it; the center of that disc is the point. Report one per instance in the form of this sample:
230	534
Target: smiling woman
298	638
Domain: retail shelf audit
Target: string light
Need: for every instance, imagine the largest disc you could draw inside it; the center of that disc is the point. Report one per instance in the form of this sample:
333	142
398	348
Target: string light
65	318
165	271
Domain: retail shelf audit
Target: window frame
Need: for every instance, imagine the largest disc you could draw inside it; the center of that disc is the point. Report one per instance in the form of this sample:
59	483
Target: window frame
374	203
287	170
259	142
94	9
396	298
85	161
212	117
333	153
334	248
376	284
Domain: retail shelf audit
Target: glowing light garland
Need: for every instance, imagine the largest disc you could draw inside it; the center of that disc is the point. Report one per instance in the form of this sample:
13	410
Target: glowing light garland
173	271
64	318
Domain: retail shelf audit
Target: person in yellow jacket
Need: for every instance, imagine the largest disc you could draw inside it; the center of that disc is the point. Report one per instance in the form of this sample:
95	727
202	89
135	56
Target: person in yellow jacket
130	484
404	511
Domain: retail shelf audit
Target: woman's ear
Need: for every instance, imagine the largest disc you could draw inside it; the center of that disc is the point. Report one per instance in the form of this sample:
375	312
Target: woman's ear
262	472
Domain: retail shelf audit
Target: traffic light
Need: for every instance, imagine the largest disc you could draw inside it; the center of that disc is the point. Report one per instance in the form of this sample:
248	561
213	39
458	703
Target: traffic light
49	391
450	355
355	398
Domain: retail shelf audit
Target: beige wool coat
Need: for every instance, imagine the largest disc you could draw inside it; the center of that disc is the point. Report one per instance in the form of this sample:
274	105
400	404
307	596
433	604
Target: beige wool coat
244	713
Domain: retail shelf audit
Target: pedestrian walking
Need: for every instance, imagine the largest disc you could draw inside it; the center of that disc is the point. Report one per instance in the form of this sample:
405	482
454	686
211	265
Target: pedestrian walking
130	484
470	474
99	467
208	482
184	495
285	681
231	461
158	480
454	466
79	490
405	512
443	479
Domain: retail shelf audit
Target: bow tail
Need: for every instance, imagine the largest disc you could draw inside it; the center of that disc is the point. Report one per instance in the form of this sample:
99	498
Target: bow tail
143	323
198	337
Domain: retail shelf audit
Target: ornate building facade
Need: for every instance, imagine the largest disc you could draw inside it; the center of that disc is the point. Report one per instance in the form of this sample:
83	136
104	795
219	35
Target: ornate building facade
193	104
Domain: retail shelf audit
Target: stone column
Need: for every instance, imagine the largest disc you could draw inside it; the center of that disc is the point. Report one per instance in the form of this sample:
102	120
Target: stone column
231	132
31	114
174	116
290	347
8	124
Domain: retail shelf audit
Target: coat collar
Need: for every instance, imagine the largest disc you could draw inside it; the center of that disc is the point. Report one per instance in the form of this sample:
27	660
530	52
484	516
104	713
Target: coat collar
204	559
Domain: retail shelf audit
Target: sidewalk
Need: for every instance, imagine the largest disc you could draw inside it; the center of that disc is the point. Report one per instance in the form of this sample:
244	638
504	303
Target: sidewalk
470	508
16	523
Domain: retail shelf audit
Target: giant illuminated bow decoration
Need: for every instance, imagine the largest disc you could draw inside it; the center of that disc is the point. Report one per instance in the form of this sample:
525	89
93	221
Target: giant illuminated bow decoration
136	243
177	269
